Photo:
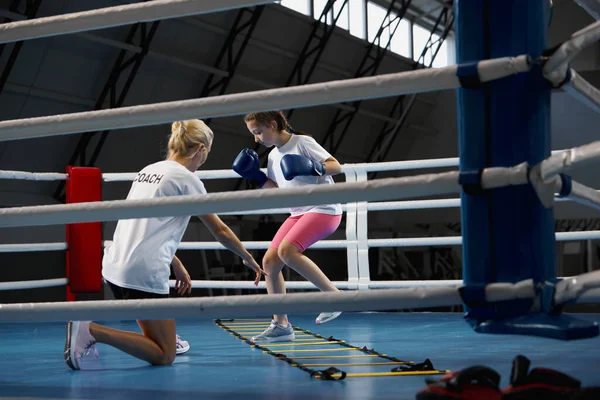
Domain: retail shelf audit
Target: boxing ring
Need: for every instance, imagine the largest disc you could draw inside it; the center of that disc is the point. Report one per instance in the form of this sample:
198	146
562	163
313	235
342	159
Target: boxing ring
509	287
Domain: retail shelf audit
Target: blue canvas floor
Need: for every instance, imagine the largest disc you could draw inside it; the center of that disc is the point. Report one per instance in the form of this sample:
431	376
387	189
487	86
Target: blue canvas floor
220	366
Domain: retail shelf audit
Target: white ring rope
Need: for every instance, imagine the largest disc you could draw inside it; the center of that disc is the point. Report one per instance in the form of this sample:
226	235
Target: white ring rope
37	284
402	165
584	195
413	205
431	79
457	240
115	16
557	70
368	167
387	242
249	285
230	174
229	202
545	189
549	168
271	211
377	206
239	306
583	91
380	189
557	65
302	285
26	247
573	287
255	245
33	176
324	244
568	159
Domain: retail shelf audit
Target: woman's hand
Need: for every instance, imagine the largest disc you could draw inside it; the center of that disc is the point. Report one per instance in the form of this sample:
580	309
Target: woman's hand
183	282
250	262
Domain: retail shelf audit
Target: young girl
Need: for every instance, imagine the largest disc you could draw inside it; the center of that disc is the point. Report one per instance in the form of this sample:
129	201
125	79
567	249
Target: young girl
296	160
137	264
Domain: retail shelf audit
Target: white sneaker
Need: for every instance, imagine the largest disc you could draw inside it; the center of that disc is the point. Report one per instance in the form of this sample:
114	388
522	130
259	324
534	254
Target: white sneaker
275	333
79	343
182	346
327	316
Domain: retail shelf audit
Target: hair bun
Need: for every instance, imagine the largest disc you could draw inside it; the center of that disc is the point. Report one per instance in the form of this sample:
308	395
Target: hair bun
187	135
179	127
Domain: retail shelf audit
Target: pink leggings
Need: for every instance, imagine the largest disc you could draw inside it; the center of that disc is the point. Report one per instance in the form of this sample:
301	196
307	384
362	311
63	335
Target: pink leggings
305	230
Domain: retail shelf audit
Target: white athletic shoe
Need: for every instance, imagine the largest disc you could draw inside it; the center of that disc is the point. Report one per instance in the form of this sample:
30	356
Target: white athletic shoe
183	346
327	316
79	343
275	333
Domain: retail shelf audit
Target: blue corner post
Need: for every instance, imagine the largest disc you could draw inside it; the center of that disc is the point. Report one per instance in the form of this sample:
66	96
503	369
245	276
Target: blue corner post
508	235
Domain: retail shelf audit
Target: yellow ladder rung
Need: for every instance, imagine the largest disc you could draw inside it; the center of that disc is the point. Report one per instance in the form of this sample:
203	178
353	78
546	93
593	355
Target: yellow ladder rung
249	335
376	374
254	327
356	364
301	344
259	332
264	343
246	321
308	341
314	350
407	373
242	320
247	326
328	357
251	330
262	330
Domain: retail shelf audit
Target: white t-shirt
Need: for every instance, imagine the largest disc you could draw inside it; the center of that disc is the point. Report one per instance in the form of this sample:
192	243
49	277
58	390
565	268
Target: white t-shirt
308	147
142	249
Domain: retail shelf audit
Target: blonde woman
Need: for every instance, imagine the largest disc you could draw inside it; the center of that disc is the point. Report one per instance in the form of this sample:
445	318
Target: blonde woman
137	264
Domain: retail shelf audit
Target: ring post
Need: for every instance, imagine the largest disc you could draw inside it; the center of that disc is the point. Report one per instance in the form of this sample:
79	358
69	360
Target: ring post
508	235
84	254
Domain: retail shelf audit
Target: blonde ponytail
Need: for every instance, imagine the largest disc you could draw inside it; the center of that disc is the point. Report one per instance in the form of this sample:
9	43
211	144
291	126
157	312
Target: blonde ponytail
187	135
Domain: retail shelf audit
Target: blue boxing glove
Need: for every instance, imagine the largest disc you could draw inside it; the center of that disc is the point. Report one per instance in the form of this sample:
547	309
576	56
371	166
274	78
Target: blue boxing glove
247	166
293	165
